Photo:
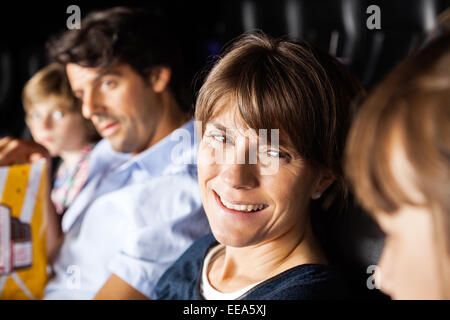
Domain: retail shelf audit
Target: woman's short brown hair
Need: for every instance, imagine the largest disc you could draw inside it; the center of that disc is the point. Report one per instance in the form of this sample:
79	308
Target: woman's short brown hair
51	81
292	86
414	103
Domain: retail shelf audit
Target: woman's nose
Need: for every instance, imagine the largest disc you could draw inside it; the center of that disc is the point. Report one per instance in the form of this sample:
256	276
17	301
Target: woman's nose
240	176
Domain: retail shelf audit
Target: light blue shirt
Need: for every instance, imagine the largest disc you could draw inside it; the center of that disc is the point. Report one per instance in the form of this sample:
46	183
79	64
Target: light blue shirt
134	218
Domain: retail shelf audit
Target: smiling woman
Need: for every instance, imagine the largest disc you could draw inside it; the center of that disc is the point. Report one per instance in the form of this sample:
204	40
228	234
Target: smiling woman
263	245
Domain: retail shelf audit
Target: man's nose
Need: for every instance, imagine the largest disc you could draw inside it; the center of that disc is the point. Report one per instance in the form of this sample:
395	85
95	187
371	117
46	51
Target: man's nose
240	176
90	105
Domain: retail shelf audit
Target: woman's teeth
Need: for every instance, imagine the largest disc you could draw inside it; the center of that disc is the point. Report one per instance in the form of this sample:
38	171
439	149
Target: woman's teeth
242	207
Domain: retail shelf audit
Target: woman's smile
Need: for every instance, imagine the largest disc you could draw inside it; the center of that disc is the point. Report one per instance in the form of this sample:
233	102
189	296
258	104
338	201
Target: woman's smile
239	208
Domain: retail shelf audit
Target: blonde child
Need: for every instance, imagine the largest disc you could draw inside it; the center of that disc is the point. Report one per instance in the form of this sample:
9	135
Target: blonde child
54	117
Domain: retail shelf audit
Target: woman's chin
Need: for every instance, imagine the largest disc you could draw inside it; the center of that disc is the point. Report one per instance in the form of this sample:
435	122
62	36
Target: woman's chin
231	238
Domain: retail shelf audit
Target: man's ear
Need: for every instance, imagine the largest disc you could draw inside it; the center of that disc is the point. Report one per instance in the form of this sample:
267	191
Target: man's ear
160	78
325	180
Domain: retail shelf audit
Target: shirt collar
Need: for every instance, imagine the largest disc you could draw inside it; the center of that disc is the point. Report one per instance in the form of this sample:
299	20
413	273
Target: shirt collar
177	150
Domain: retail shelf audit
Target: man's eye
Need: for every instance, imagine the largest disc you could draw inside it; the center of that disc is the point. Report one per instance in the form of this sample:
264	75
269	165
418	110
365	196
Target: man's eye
108	83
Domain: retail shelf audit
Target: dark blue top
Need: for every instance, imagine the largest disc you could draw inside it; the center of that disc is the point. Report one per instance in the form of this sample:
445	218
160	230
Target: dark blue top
304	282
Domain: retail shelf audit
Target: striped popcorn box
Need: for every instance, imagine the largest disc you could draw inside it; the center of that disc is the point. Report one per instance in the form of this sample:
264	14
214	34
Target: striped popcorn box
23	261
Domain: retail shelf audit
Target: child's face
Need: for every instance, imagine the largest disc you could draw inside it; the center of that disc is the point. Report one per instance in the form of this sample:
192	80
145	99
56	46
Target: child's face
55	128
409	265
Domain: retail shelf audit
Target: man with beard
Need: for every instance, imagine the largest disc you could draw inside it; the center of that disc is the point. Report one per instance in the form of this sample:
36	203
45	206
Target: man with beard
140	207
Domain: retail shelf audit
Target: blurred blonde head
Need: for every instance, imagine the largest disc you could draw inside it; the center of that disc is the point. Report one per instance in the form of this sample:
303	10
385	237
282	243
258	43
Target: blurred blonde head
398	159
53	113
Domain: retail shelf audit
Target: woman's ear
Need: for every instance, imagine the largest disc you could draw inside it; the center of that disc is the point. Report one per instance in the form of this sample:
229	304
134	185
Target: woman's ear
325	180
160	78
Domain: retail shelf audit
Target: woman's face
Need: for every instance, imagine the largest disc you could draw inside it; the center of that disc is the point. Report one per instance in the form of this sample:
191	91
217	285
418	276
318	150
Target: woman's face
409	267
56	129
250	202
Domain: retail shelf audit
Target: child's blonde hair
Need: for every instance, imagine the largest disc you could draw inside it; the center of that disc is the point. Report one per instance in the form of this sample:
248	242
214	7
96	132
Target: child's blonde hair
414	100
51	81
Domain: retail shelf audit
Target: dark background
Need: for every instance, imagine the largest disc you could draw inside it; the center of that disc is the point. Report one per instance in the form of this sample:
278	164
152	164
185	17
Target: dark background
204	27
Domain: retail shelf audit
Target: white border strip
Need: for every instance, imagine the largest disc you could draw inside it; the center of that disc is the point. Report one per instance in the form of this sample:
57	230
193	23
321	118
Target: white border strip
5	238
3	175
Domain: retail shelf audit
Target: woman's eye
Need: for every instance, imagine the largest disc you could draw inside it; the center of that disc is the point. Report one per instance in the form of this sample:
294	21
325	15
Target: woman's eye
273	153
217	137
278	154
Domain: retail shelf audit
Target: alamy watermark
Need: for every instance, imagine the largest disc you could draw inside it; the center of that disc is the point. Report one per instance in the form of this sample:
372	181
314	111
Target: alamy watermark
374	20
74	20
374	280
73	281
260	151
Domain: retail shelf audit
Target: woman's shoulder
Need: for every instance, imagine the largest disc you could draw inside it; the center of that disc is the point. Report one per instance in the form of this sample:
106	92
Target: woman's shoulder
179	281
304	282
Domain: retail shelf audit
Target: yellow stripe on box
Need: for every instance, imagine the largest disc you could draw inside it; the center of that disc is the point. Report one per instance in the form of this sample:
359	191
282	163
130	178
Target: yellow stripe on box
15	188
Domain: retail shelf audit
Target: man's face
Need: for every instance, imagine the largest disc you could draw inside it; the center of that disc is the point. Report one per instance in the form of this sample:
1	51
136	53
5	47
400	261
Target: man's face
121	104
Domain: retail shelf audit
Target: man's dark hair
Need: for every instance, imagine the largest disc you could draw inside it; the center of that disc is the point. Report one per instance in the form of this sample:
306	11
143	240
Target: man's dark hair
137	37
